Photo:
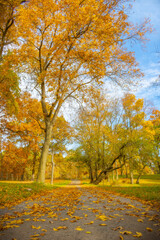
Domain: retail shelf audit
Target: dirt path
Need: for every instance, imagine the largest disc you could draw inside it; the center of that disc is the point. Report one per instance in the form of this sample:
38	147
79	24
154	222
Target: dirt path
80	214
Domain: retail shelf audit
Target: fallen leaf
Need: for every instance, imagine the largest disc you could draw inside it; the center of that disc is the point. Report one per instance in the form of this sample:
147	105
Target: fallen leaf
36	227
102	224
73	221
121	237
138	234
88	232
140	220
89	223
55	229
149	229
62	227
126	232
79	228
102	217
65	219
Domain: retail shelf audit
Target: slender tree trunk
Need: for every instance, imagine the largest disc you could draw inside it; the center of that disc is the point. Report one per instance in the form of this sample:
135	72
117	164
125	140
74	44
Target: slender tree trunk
122	171
158	164
113	176
90	174
126	172
116	170
1	176
96	171
52	172
131	177
44	154
34	165
138	178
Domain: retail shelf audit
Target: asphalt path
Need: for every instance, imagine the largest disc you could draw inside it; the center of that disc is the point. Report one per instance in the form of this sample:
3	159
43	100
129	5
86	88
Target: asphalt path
75	213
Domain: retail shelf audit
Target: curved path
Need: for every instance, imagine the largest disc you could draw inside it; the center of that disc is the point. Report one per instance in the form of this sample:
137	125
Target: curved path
76	213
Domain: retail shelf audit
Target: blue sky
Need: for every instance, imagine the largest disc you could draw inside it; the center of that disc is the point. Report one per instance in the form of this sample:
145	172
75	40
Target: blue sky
148	57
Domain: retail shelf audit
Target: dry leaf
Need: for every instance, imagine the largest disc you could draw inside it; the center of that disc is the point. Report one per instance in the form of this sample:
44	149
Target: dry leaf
138	234
126	232
89	223
79	228
140	220
149	229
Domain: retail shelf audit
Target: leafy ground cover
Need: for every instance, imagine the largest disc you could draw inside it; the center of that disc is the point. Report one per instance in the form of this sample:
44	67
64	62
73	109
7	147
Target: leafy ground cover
80	213
11	193
148	189
150	193
15	192
58	182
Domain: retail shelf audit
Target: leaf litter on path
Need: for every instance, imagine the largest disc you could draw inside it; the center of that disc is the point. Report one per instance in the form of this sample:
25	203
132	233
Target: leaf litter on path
91	212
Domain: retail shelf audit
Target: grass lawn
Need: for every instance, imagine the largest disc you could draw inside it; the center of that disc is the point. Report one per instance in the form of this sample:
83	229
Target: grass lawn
13	192
150	193
148	189
58	182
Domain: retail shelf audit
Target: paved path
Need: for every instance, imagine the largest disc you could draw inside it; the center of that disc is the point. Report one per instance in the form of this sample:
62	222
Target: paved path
80	214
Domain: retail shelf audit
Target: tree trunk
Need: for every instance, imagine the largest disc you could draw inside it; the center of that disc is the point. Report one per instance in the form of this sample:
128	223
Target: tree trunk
52	172
44	154
158	163
131	177
121	171
113	176
90	174
126	172
138	178
96	171
34	165
116	170
99	179
137	181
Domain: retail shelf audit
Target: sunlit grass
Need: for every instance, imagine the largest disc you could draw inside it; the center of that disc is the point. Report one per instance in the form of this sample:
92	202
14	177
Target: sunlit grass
148	189
13	192
145	193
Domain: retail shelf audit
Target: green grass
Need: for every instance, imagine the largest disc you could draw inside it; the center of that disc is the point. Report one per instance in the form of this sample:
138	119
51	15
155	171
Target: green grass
61	182
148	189
152	177
149	193
11	193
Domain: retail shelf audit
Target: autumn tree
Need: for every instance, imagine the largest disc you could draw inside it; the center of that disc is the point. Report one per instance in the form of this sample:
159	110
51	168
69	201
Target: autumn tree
62	133
24	130
155	118
112	135
99	137
139	132
66	45
9	80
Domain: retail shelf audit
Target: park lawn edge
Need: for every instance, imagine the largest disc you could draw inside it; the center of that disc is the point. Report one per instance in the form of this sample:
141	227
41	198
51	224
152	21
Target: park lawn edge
31	191
153	203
